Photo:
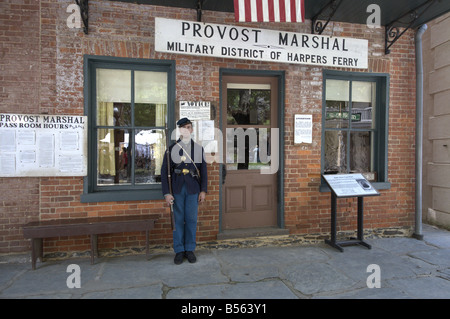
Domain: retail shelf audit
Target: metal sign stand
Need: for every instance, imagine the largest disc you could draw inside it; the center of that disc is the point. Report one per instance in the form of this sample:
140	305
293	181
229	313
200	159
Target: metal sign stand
334	196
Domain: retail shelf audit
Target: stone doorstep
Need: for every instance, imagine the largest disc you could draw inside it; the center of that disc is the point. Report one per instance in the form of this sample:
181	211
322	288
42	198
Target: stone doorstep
252	232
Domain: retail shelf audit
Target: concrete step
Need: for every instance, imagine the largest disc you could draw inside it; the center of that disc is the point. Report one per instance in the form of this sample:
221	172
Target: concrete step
252	232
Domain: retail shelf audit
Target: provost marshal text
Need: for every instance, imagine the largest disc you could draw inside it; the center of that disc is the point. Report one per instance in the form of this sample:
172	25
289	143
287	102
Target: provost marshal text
234	42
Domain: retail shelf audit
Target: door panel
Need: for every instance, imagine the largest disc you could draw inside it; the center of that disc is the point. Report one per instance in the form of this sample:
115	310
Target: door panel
236	199
262	197
249	113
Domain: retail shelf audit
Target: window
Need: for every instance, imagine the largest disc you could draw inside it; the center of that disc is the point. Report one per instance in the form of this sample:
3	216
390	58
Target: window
354	134
128	105
248	126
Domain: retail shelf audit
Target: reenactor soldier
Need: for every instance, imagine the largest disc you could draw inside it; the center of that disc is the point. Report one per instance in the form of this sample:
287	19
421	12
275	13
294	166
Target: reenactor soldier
187	180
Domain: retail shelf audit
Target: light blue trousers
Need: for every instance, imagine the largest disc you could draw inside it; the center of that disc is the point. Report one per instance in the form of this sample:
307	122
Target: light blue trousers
185	209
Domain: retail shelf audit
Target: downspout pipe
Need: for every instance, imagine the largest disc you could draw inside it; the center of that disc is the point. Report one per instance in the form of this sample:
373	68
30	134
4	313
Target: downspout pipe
419	131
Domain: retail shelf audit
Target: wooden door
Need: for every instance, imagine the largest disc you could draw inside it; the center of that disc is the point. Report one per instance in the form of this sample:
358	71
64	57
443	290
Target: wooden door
249	117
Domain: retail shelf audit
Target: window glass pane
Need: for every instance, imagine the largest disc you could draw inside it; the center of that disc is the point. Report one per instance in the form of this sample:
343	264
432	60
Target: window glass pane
337	90
150	114
122	114
363	104
248	149
337	104
150	87
335	152
150	98
113	94
113	114
248	106
113	161
150	149
361	152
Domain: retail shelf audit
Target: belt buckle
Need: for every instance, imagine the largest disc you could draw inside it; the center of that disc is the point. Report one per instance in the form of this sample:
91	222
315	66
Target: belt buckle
185	171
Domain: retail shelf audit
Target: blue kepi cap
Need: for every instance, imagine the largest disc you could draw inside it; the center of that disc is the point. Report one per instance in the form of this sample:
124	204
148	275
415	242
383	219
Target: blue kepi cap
182	122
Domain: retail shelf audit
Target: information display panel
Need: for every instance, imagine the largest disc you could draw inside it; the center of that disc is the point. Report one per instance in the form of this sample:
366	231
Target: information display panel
350	185
43	145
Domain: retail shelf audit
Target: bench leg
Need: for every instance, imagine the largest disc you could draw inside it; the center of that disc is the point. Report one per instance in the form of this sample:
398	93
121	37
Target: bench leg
94	248
36	251
147	250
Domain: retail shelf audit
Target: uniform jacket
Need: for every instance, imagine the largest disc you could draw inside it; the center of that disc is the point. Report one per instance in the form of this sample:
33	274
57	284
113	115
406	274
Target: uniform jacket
178	161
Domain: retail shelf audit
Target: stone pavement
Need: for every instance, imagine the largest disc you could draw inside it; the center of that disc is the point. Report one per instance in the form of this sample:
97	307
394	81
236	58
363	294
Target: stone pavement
408	268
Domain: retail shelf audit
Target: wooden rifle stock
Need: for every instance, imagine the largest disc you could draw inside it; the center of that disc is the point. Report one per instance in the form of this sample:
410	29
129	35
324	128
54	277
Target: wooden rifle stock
169	178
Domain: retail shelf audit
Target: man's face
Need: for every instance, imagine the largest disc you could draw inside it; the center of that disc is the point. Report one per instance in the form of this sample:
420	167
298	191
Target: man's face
186	131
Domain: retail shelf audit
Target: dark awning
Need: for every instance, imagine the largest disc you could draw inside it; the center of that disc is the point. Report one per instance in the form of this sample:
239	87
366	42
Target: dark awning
394	13
352	11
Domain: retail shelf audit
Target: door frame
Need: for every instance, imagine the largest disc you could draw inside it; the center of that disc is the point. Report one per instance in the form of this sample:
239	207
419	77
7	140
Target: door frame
280	75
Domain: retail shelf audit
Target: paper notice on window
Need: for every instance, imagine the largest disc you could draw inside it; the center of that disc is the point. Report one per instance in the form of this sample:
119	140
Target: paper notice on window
198	110
303	128
206	130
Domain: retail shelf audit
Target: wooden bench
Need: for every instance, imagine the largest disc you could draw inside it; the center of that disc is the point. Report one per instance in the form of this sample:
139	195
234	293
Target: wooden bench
94	226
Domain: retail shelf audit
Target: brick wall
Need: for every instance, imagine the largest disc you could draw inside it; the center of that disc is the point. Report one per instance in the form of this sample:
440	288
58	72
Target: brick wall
42	72
19	92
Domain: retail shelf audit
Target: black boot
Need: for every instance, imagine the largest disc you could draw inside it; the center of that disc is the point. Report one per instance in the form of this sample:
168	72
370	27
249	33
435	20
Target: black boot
190	256
178	258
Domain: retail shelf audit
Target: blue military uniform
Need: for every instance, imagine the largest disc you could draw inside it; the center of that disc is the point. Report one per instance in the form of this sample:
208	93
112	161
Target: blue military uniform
179	158
189	177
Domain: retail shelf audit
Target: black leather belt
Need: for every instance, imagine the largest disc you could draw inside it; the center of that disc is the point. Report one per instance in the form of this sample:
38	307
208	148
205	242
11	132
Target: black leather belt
183	171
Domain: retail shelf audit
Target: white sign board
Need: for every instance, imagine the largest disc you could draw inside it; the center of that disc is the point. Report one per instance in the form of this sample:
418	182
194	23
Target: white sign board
350	185
195	110
43	145
229	41
302	128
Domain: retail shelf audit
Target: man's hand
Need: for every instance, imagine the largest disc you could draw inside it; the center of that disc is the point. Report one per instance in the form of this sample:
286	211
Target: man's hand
169	199
201	197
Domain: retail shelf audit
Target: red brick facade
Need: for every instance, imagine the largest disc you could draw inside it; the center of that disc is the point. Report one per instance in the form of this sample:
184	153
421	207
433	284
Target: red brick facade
42	73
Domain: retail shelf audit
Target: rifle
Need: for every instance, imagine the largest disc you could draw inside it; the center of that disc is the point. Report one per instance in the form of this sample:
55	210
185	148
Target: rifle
169	177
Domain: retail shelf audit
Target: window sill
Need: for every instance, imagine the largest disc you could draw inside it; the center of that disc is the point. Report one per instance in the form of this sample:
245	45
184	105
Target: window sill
378	186
122	196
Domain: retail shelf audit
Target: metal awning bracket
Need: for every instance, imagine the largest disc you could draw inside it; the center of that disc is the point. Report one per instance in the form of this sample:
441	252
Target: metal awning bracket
392	30
326	13
199	10
84	11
